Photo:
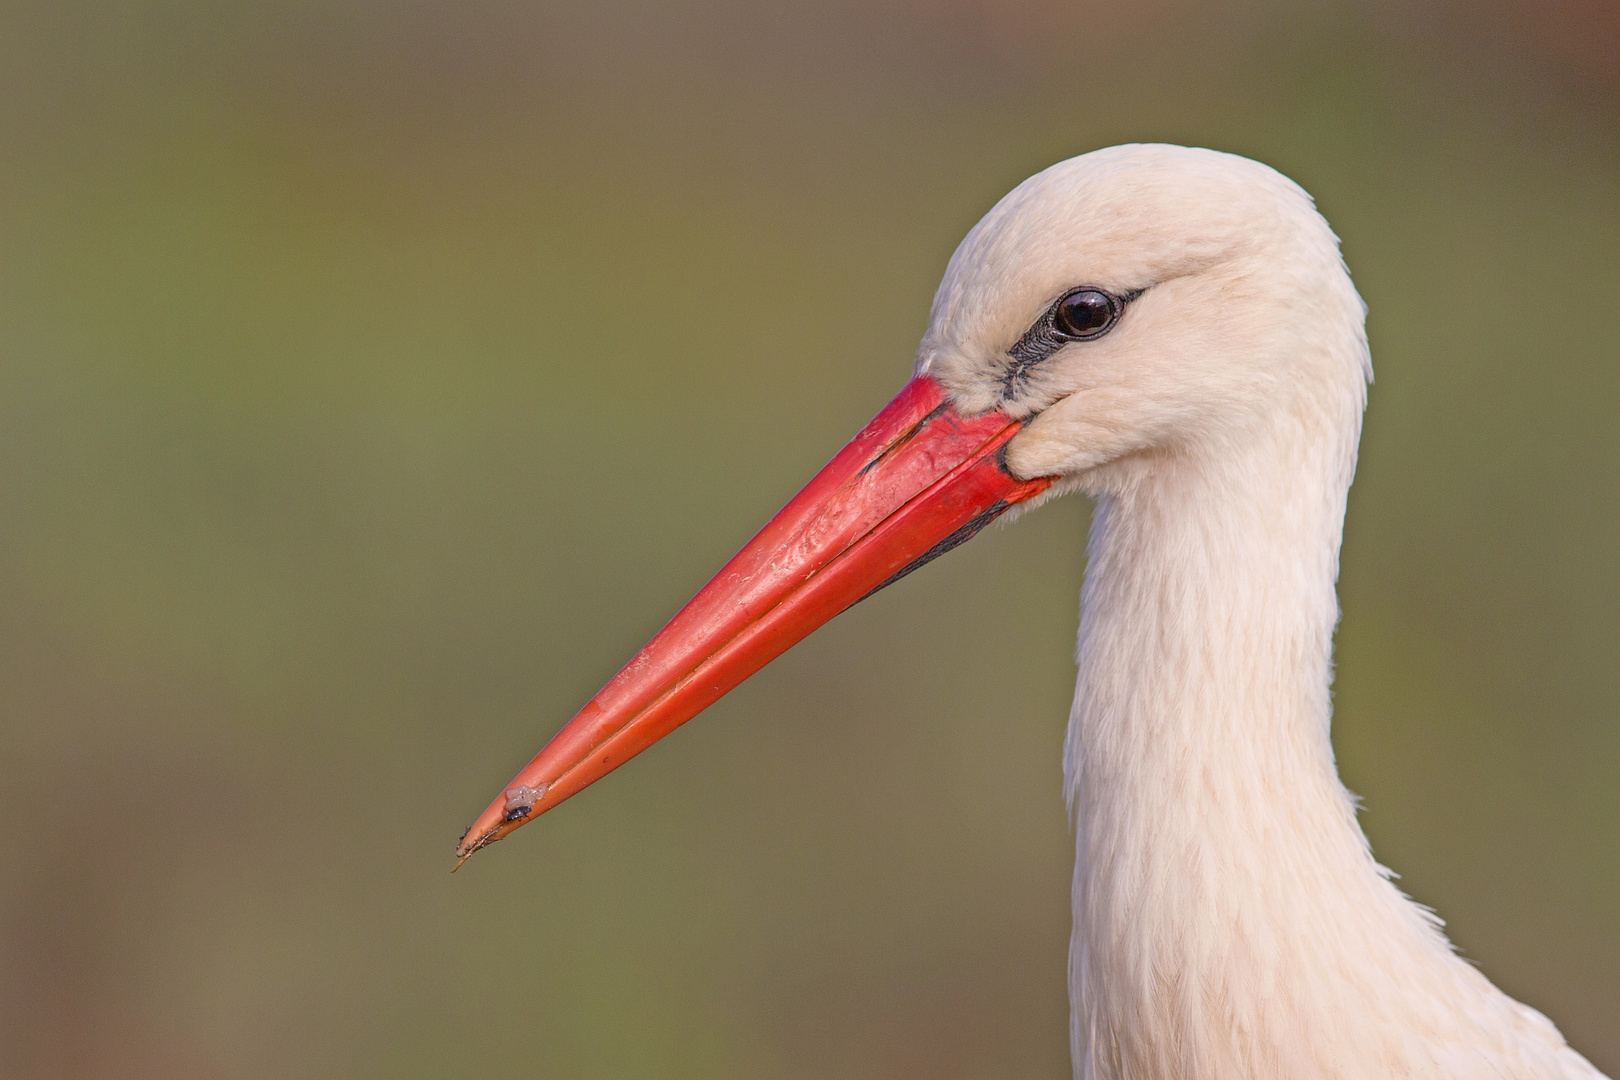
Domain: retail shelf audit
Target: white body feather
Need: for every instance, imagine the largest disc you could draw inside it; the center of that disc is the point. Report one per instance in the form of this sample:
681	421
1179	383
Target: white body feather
1230	922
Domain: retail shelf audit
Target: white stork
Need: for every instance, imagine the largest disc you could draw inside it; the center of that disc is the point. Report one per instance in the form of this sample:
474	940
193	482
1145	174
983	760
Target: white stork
1173	332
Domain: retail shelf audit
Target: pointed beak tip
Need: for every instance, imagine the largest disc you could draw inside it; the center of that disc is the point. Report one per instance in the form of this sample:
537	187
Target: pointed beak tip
518	805
471	845
478	835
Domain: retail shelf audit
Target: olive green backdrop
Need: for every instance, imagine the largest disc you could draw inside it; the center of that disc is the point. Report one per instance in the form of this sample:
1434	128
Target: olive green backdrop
376	377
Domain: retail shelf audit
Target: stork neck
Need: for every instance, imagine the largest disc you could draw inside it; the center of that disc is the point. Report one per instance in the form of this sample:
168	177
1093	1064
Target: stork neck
1210	819
1230	922
1206	627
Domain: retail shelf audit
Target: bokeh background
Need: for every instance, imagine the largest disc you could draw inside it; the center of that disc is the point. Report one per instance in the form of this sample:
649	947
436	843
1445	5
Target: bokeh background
376	376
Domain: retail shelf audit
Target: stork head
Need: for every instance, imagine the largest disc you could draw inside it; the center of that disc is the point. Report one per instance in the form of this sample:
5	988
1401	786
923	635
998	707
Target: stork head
1113	312
1144	298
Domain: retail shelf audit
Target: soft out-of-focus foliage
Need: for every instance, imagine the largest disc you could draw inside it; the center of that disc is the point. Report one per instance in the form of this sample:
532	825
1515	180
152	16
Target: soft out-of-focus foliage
375	377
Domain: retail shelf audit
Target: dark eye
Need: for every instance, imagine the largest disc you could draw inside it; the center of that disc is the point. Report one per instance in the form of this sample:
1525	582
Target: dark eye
1085	313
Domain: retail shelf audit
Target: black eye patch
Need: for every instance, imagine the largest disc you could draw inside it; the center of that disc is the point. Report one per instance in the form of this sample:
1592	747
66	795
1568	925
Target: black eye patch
1082	314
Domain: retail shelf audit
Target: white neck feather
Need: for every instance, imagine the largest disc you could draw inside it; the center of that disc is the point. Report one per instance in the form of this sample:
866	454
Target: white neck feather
1230	921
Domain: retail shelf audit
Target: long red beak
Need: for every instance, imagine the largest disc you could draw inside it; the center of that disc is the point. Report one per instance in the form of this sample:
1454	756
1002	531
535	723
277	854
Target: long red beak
918	481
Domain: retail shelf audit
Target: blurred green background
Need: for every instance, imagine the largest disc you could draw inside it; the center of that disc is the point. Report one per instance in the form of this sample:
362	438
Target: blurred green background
375	377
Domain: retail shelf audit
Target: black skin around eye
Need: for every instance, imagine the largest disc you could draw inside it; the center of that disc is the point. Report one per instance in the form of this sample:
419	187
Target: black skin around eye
1082	314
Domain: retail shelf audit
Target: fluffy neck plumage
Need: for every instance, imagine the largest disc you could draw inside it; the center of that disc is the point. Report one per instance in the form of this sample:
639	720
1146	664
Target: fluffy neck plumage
1230	921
